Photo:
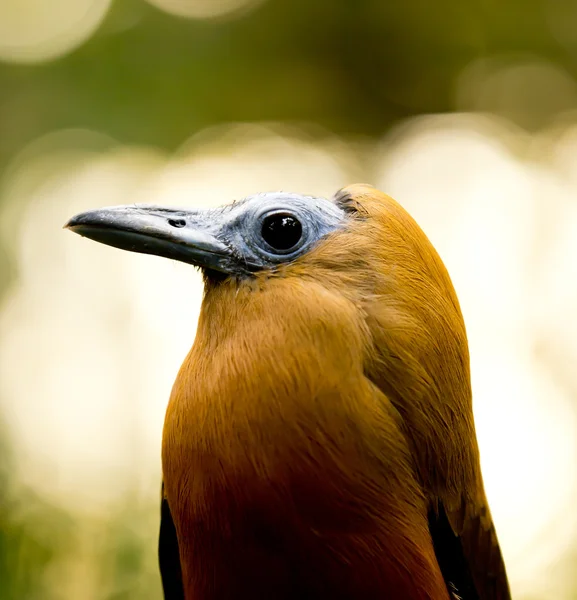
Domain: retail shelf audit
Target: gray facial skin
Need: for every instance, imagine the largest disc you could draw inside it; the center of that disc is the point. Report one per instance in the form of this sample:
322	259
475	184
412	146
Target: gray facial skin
238	239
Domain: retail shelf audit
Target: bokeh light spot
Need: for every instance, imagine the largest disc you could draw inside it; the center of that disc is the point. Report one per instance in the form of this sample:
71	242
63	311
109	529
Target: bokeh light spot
34	31
205	9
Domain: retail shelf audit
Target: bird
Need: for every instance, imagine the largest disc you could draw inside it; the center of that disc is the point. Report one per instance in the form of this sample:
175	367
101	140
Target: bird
319	439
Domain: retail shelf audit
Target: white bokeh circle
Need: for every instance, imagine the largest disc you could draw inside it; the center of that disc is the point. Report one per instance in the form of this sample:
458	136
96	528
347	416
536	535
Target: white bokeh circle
205	9
35	31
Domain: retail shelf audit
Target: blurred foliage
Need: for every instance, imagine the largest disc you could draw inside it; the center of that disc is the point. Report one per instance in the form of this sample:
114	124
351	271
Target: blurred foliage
129	555
43	550
354	67
33	534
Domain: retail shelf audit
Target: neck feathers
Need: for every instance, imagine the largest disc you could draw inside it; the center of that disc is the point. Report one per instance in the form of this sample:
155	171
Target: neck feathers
285	468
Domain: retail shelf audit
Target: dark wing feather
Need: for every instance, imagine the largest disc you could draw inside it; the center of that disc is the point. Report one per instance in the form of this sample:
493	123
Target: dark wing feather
168	555
468	553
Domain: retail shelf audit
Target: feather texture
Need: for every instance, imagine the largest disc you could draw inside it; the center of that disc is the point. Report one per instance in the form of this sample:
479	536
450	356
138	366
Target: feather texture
319	441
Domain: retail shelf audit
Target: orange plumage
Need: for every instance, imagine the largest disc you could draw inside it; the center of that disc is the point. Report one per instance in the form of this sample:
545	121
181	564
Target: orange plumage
319	440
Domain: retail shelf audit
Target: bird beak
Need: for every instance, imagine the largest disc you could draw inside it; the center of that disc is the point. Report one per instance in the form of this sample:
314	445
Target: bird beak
184	235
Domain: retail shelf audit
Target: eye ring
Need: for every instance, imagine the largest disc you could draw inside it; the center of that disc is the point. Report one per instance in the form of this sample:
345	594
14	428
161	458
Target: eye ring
282	232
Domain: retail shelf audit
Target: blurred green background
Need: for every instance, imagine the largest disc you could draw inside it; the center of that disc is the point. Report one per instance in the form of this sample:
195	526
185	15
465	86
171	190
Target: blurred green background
465	111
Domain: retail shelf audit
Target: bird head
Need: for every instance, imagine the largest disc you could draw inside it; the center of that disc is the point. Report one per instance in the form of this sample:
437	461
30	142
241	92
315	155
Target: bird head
356	264
327	393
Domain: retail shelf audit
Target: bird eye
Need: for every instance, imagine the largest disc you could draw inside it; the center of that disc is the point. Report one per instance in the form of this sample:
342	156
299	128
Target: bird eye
281	231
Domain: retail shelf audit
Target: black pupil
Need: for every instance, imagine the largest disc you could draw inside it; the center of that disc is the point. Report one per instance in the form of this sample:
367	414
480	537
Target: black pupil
281	231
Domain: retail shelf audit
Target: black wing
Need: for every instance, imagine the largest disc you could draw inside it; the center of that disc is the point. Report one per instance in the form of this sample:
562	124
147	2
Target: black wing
469	555
168	555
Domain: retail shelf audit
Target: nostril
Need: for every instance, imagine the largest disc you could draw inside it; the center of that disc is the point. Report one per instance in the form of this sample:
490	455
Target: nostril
177	222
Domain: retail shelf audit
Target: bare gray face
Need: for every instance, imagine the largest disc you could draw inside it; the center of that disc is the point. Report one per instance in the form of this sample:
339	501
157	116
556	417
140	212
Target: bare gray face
257	233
